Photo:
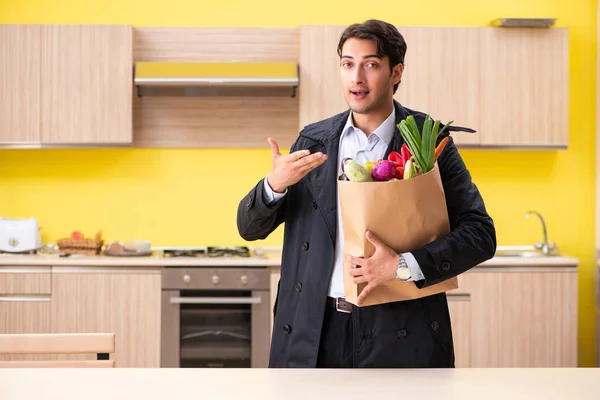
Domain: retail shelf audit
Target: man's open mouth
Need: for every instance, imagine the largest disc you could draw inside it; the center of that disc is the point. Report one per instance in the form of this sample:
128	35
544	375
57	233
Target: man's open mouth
359	94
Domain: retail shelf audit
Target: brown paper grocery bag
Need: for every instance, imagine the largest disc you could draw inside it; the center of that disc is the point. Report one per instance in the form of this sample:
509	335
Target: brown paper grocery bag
405	215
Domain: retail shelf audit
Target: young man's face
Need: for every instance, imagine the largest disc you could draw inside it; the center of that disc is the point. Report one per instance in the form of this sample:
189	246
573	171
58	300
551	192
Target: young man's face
367	80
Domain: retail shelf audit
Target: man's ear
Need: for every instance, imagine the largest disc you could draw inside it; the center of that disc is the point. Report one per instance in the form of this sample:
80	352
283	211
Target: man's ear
397	73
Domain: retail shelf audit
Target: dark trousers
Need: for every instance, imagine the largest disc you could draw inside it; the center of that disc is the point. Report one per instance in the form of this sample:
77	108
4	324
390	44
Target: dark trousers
335	350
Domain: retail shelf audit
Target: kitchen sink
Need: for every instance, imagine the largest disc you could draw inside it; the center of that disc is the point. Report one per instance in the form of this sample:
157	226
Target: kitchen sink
521	251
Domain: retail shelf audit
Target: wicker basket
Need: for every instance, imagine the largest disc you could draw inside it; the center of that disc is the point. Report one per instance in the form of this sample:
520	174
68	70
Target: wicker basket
86	246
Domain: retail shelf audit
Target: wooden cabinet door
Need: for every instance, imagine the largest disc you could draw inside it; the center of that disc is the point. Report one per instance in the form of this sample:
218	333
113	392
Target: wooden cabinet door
524	87
25	304
19	84
275	276
123	302
459	305
523	317
509	85
441	77
321	94
86	84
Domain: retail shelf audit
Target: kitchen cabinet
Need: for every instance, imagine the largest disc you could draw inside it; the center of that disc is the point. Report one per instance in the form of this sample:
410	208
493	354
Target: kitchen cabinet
25	303
497	81
521	316
66	84
20	62
510	316
524	95
122	301
459	306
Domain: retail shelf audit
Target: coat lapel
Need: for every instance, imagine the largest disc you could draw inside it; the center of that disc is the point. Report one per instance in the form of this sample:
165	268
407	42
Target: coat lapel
322	181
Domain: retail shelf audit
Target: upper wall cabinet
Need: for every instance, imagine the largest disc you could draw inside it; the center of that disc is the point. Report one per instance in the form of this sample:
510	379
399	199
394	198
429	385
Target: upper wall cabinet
509	84
19	84
66	84
86	90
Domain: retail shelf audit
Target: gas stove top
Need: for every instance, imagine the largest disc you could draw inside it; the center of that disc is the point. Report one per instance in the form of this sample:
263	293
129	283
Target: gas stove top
210	251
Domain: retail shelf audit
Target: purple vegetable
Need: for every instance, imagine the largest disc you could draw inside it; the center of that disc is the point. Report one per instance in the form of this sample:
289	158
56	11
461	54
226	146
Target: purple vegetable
383	170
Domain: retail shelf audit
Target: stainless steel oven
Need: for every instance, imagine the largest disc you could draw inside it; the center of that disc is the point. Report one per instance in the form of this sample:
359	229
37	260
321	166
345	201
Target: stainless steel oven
215	317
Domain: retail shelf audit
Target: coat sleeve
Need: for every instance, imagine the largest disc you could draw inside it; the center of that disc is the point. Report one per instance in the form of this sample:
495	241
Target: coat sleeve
472	236
256	219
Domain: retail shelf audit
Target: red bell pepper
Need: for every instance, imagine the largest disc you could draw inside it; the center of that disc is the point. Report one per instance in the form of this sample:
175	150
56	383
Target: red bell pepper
406	154
396	158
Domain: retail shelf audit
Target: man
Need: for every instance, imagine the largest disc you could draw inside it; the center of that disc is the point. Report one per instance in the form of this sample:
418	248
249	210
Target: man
313	325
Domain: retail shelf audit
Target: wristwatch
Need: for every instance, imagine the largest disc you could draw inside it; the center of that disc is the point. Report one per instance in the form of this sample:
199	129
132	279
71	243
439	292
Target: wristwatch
402	271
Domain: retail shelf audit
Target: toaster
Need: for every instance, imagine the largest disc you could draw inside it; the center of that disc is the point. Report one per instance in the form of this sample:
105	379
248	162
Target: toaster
19	235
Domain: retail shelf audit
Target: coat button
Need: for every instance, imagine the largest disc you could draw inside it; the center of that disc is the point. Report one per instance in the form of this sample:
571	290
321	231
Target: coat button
445	265
314	205
298	286
249	202
435	325
304	246
286	329
402	333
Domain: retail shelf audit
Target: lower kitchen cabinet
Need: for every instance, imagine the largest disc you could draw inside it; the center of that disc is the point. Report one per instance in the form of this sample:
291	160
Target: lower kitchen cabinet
510	316
25	303
116	300
518	317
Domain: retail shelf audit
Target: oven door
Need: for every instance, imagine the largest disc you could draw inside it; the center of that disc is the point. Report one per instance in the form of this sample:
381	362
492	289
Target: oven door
226	327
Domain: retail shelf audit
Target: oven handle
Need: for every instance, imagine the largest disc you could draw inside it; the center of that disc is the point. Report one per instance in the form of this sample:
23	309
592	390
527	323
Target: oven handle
216	300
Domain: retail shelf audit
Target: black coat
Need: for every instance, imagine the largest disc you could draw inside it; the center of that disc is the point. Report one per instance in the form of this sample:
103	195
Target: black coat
415	333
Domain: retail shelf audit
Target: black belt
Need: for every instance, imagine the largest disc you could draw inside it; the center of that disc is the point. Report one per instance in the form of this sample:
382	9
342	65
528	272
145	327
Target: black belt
339	304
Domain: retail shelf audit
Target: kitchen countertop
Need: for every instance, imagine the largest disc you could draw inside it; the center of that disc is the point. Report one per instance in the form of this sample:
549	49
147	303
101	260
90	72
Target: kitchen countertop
270	259
299	384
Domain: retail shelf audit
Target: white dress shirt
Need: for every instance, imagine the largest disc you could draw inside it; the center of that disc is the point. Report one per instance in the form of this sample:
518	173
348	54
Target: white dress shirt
355	144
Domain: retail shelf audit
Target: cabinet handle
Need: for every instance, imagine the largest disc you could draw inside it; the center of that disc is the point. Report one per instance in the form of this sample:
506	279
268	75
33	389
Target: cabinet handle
24	298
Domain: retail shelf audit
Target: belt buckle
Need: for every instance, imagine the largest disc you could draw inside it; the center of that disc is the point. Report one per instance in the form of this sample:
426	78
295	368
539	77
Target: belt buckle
337	306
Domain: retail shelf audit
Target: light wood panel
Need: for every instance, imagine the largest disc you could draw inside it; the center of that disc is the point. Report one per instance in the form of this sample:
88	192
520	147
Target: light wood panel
126	303
86	84
20	47
215	44
59	364
25	280
525	318
180	122
442	76
524	87
24	314
321	92
510	85
67	343
215	121
275	276
459	306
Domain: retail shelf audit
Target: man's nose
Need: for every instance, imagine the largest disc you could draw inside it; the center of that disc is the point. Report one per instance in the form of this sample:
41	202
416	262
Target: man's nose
358	76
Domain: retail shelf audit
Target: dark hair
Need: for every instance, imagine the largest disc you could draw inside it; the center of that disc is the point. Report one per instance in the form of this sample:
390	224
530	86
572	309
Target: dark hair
386	36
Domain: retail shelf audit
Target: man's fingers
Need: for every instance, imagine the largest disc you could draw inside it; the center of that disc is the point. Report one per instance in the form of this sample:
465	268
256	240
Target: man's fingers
307	164
365	292
274	146
298	155
373	239
359	279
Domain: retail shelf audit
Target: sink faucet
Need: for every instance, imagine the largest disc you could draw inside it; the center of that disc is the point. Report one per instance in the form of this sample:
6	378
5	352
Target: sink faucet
546	247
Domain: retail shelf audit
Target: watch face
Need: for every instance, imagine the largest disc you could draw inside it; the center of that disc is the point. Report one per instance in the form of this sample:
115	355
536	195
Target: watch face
403	273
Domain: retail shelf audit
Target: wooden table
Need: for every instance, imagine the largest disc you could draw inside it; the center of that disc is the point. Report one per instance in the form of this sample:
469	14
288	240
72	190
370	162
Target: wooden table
305	384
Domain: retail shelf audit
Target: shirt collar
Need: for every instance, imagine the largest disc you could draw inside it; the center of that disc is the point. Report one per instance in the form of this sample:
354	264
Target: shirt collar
385	131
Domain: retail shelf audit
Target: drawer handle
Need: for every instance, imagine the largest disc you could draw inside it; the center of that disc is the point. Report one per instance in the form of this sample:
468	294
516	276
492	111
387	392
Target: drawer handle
216	300
24	298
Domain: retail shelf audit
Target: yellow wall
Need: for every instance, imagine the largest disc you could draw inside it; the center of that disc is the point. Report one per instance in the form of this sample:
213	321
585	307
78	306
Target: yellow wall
189	197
